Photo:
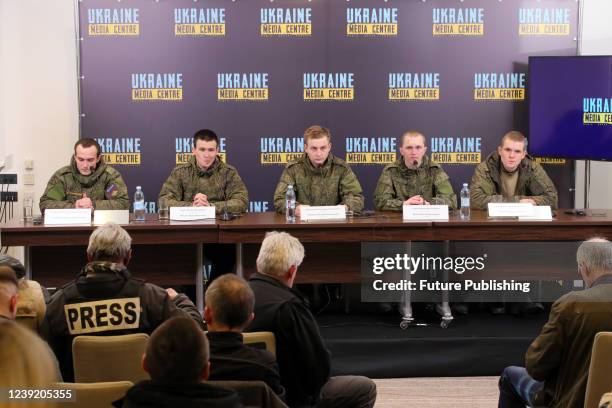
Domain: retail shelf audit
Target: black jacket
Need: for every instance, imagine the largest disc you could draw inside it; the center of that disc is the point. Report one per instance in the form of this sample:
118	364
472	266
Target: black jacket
156	395
303	360
105	300
232	360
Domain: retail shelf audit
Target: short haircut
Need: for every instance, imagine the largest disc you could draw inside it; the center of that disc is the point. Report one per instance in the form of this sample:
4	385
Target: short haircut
206	135
9	286
177	352
109	242
15	264
515	136
412	133
231	300
279	251
595	254
316	132
88	142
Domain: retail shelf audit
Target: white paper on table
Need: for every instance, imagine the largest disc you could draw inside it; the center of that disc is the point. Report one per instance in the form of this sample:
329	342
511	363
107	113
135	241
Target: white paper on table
121	217
425	212
540	213
68	216
511	209
322	212
192	213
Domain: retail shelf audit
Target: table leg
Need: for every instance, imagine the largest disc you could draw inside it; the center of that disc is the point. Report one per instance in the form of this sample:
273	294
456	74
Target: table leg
27	260
199	284
239	265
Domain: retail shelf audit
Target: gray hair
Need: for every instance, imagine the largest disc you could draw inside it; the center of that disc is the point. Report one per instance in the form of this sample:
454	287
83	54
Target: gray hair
109	242
279	252
595	254
230	300
15	264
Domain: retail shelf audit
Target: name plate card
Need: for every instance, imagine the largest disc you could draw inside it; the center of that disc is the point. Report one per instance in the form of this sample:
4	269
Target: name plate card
425	212
68	216
323	212
511	210
540	213
121	217
192	213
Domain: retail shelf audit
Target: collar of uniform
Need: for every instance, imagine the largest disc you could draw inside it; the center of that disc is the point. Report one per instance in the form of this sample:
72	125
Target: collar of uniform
602	280
209	171
224	339
87	181
404	169
318	170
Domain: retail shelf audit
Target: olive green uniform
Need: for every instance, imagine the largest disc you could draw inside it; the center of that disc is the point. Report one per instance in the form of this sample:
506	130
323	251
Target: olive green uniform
397	183
332	184
105	187
533	183
220	183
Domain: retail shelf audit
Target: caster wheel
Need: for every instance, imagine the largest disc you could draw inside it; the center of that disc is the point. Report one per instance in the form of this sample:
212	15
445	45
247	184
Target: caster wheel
444	324
404	324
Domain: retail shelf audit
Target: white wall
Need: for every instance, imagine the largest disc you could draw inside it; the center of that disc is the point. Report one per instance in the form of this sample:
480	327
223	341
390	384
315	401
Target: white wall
596	39
38	88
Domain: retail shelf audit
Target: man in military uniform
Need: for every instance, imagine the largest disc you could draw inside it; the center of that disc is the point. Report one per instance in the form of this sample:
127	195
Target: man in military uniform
511	172
413	179
105	299
87	182
318	177
205	180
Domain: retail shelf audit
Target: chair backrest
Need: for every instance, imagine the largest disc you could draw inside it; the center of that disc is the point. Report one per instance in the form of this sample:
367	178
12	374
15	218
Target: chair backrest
252	393
265	339
94	395
109	358
600	375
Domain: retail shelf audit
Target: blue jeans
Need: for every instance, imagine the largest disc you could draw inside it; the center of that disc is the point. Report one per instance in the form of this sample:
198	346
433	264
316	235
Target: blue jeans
517	388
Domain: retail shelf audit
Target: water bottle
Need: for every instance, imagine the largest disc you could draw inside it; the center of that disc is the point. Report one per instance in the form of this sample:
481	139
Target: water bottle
290	204
465	202
139	205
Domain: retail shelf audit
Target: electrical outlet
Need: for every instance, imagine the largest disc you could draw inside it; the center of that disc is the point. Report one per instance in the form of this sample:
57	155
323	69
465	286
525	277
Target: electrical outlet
9	196
8	179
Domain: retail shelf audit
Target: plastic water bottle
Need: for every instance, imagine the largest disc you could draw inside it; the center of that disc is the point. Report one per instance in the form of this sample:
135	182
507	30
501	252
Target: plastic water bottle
465	202
290	203
139	205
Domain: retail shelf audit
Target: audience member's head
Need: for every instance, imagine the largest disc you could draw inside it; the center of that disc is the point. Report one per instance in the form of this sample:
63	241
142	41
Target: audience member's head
26	361
229	304
9	293
177	353
110	243
280	256
15	264
594	258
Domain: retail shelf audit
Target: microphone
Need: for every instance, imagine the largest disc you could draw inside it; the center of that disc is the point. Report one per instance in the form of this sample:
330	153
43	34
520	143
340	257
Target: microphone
92	169
415	163
226	216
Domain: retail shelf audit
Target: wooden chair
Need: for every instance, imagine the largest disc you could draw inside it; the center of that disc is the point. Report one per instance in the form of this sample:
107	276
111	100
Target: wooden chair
600	375
94	395
261	339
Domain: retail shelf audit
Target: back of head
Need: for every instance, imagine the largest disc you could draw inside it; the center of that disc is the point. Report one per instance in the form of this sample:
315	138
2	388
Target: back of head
15	264
9	288
177	352
231	301
279	251
316	132
595	255
26	360
109	242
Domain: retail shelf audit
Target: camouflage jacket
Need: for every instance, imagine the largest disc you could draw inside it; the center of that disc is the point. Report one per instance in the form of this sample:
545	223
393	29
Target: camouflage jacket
220	183
397	183
533	182
105	187
333	184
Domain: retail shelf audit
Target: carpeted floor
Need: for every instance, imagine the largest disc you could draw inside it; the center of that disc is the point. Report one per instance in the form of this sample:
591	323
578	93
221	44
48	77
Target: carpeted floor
440	392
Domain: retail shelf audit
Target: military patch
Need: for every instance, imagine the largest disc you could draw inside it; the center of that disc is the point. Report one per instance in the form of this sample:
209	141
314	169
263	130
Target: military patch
111	191
103	315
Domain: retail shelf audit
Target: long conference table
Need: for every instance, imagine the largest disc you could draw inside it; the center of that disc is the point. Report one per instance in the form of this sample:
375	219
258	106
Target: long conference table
170	252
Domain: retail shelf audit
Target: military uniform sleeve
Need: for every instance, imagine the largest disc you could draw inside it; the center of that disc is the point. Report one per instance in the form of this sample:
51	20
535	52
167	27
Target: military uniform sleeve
482	188
444	190
544	355
385	196
286	178
350	191
300	330
116	189
237	195
55	195
543	188
172	191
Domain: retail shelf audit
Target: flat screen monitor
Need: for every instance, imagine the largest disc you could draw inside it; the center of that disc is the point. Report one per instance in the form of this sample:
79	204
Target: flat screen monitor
570	107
